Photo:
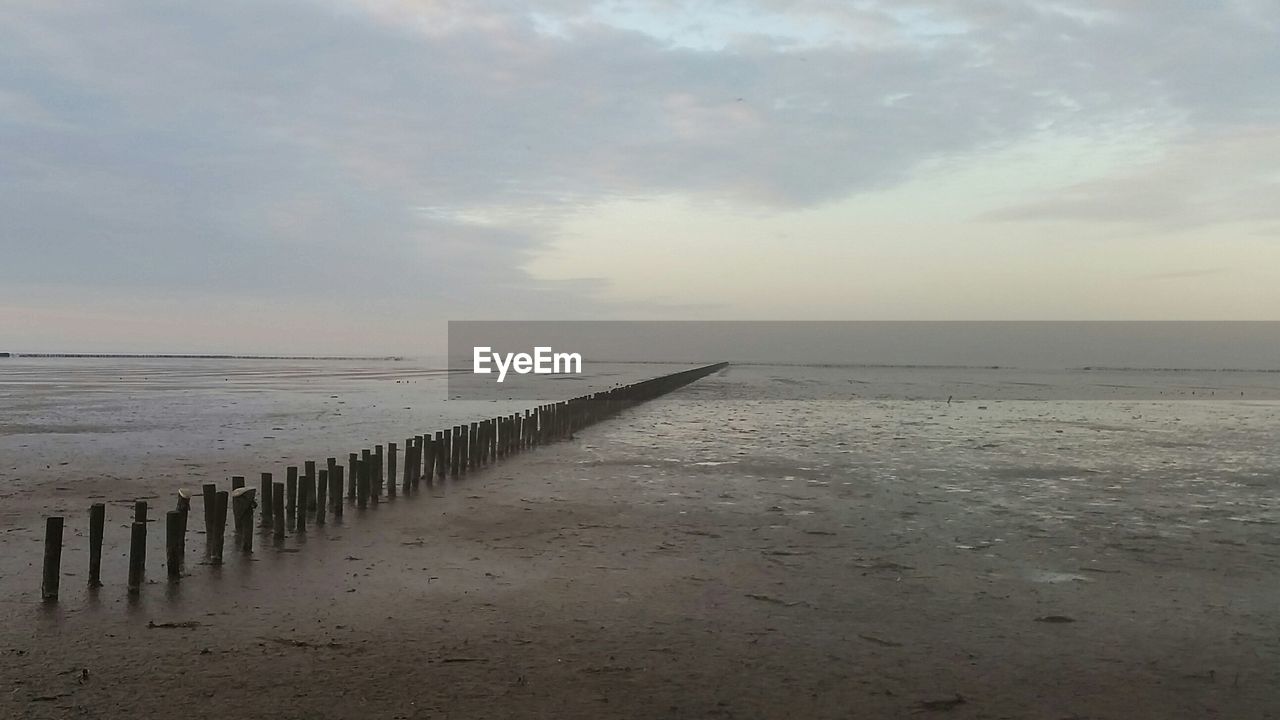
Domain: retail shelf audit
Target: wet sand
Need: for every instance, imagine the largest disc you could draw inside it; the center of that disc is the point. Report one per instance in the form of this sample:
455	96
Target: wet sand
709	556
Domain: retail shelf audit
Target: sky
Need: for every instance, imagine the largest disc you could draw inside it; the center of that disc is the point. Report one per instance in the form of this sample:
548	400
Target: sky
343	176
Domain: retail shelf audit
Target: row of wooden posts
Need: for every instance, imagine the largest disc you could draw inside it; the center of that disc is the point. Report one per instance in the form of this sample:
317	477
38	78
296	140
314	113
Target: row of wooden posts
367	475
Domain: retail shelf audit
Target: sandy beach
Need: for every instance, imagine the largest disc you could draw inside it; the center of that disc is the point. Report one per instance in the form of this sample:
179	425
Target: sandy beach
708	555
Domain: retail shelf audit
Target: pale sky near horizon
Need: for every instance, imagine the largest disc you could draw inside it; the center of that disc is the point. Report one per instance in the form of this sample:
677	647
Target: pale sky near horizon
342	176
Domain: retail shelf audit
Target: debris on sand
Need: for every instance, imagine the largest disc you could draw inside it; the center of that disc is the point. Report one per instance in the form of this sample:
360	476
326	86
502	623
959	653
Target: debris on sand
942	705
302	643
880	641
884	565
183	625
776	601
1055	619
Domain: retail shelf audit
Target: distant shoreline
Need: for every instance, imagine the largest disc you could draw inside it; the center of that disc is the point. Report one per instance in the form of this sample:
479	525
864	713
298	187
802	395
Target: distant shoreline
171	356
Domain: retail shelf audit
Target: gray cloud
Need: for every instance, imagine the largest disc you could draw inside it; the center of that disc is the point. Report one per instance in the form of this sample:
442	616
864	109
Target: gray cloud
1223	177
425	149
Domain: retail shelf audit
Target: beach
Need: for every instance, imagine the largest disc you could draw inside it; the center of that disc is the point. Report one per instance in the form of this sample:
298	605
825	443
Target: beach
771	541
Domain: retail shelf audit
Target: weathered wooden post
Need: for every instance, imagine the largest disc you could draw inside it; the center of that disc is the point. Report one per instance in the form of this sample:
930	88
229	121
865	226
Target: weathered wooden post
140	511
322	496
352	473
291	493
336	491
219	526
413	460
463	439
408	480
52	576
442	453
277	511
267	510
362	487
300	520
242	505
207	492
420	469
473	446
237	482
184	512
97	523
376	471
391	468
427	453
455	446
173	543
137	556
310	486
237	508
331	464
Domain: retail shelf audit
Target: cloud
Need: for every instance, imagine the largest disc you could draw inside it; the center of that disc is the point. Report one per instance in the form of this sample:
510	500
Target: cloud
303	148
1226	178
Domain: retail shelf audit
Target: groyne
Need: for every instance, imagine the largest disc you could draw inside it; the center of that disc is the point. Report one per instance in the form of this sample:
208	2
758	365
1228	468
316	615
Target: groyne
271	510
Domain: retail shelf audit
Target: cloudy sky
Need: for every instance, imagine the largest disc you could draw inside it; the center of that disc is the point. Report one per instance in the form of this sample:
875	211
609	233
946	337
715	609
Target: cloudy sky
344	175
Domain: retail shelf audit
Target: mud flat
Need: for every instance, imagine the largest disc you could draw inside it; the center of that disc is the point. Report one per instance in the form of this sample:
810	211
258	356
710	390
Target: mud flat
721	552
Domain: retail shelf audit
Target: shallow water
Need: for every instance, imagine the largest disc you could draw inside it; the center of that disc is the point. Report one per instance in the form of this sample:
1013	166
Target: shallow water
1118	457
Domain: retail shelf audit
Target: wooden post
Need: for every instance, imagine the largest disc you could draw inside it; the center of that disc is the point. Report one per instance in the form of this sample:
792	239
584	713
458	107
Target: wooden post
424	468
426	457
311	486
97	523
322	496
208	491
336	491
460	439
351	475
391	469
137	556
242	504
173	543
237	482
455	459
184	510
291	494
52	577
277	511
140	511
409	464
376	471
473	446
267	510
419	458
237	510
331	465
219	526
362	487
300	519
441	453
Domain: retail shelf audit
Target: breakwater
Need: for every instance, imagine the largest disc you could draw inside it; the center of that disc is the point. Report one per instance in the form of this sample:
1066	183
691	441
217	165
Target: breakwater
271	509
